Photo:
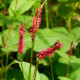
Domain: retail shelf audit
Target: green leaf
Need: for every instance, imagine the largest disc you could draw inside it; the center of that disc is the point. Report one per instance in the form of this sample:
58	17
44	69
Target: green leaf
14	74
62	30
75	62
28	20
75	75
20	6
75	31
63	78
5	20
13	38
12	43
24	66
67	39
44	40
60	69
64	39
64	60
43	77
13	62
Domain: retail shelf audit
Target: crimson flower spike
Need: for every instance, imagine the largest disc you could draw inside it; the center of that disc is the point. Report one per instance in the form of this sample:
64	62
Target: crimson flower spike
21	40
70	52
36	23
49	51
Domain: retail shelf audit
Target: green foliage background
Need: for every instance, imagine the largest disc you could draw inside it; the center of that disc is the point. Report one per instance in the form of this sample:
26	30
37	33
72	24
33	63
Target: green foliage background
64	26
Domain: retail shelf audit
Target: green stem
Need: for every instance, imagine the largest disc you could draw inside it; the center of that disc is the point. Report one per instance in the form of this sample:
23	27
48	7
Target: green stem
31	61
68	68
22	68
21	64
52	75
70	16
36	68
69	21
6	64
46	10
33	13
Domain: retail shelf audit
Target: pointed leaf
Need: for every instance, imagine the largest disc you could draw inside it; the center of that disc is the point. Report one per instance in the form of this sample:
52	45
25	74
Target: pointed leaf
20	6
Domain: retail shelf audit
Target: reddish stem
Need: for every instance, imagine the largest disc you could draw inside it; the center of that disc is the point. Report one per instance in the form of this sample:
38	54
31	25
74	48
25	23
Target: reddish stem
70	54
36	67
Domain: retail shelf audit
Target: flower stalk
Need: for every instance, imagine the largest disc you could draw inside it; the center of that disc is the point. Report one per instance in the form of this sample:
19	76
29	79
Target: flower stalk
70	54
6	65
46	10
34	30
35	71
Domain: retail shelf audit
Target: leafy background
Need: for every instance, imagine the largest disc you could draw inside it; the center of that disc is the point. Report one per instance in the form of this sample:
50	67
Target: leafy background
64	26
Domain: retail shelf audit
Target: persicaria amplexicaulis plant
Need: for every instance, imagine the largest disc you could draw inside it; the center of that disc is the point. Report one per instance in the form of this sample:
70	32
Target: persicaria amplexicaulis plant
36	23
49	51
28	43
21	40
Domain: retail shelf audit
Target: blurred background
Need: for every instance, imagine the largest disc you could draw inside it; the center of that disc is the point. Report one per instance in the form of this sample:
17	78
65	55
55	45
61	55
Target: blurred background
60	22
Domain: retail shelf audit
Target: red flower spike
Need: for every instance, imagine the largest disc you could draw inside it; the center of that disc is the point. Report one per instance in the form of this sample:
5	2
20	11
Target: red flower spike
21	40
36	20
49	51
70	52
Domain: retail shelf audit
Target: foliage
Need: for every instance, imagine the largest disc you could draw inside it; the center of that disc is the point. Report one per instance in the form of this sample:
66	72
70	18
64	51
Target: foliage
64	26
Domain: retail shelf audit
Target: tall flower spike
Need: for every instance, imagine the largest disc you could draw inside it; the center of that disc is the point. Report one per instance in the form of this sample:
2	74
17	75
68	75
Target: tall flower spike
70	52
49	51
21	40
36	23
